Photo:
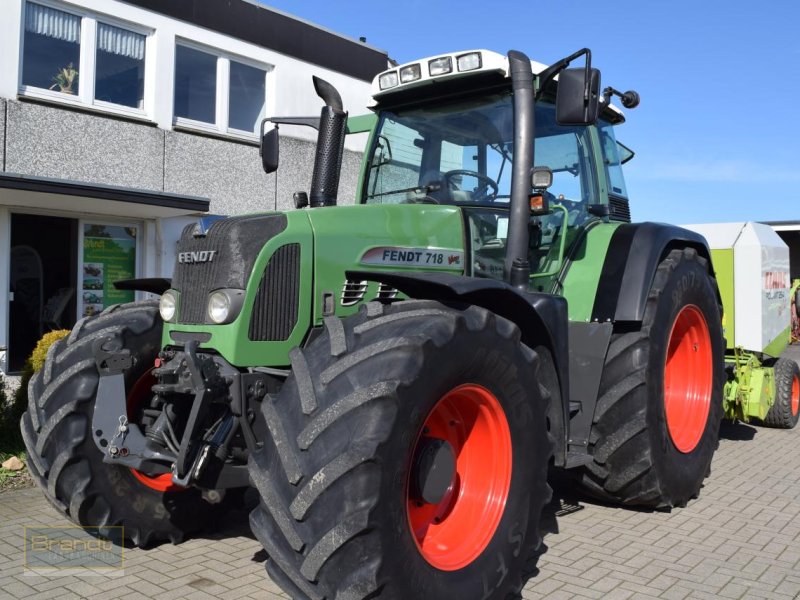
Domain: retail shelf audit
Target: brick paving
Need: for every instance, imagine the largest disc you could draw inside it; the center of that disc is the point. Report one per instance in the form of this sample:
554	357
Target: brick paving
739	539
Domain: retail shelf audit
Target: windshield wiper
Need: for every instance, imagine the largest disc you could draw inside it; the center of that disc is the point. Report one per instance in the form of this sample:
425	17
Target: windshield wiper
420	189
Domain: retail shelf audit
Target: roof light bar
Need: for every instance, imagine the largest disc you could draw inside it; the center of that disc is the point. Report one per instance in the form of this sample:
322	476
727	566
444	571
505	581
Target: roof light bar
421	72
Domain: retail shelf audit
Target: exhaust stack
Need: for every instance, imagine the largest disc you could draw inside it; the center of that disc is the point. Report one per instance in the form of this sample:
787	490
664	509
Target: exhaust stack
517	268
330	146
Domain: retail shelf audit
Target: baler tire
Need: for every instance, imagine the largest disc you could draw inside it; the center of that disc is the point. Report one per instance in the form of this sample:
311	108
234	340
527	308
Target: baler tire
62	456
333	476
785	411
636	458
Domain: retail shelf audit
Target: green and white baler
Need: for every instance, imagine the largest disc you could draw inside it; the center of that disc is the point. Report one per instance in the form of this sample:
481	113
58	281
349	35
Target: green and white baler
752	268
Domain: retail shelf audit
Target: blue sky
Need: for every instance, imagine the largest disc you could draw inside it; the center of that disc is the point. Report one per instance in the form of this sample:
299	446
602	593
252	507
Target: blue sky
717	135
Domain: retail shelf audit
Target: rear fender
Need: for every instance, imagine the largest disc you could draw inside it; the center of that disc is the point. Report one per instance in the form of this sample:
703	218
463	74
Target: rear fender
633	256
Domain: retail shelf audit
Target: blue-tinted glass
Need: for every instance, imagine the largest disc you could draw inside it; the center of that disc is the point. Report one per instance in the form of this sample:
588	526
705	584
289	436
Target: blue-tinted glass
612	159
119	66
246	97
52	49
195	84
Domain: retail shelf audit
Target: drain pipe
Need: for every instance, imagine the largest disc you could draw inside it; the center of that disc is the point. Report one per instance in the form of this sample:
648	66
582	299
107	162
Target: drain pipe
517	267
330	146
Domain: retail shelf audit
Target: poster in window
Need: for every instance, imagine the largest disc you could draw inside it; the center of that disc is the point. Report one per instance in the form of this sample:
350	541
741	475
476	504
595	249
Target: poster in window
109	254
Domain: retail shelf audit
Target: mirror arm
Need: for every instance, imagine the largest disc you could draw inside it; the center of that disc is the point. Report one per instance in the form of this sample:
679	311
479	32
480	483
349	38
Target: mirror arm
550	72
312	122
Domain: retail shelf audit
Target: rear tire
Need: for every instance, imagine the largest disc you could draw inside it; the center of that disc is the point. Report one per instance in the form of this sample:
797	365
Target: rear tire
62	456
335	478
651	448
785	412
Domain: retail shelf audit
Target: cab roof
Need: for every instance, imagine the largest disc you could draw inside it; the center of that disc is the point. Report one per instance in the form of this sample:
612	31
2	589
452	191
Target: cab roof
455	67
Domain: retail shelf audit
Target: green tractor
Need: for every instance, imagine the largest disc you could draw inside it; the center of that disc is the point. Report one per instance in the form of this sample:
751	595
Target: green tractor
395	378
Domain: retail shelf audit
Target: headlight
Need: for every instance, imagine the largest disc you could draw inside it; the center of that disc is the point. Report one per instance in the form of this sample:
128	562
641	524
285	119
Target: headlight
167	305
224	306
219	307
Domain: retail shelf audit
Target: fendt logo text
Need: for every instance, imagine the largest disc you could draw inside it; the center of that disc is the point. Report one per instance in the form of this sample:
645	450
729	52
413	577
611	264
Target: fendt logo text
196	257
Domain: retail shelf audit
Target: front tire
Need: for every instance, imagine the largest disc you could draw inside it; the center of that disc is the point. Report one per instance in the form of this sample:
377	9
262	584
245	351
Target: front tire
368	408
62	456
656	424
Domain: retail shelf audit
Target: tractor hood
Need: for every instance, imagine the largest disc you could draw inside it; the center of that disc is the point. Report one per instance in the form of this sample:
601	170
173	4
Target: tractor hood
286	272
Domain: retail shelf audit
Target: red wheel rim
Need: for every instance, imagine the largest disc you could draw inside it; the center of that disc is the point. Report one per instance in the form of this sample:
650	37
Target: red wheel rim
795	395
688	376
454	532
139	394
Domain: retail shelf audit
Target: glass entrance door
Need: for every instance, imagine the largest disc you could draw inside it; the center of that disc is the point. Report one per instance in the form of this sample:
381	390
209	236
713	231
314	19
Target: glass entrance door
42	273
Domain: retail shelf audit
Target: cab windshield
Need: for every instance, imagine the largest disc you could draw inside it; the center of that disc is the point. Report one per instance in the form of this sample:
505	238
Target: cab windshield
462	152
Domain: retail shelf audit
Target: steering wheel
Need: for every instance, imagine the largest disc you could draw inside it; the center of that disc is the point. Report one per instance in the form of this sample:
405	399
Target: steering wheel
485	183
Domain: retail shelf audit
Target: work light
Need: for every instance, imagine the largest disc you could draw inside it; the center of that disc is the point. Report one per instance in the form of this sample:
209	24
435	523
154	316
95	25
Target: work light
440	66
388	80
469	62
410	73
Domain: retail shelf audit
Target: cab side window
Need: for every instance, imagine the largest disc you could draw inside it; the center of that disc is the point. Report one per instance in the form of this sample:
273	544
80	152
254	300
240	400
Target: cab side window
613	156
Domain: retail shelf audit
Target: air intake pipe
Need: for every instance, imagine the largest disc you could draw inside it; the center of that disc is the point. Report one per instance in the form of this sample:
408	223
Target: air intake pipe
517	267
330	146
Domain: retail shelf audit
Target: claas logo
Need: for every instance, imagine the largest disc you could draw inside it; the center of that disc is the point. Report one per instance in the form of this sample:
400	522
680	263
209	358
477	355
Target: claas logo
776	280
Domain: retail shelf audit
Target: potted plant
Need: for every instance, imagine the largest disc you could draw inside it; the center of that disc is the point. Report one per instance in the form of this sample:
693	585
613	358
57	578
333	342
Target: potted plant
65	79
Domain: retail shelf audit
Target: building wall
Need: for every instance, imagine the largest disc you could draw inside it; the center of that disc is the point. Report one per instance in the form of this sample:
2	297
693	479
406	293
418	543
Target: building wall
289	86
48	141
56	138
2	134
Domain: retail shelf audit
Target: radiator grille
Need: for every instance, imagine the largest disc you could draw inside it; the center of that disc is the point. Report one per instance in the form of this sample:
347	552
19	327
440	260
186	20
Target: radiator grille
278	297
619	210
236	242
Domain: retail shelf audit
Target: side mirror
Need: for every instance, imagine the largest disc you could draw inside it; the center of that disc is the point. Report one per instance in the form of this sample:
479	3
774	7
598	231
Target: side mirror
572	105
270	150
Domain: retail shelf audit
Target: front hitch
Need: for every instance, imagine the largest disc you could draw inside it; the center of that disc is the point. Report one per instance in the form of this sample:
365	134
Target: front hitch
120	441
200	456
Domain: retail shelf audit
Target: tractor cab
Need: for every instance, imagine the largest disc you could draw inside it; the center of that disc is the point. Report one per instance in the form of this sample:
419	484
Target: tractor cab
446	137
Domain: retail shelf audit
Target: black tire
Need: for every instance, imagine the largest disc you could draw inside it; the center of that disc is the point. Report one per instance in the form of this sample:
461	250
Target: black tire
62	456
635	460
333	476
785	412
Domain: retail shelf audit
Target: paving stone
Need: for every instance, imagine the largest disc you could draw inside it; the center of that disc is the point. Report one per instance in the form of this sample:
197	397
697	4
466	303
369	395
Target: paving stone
739	539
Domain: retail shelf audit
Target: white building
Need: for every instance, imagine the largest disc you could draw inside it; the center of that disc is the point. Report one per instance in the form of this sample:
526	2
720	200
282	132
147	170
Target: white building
123	120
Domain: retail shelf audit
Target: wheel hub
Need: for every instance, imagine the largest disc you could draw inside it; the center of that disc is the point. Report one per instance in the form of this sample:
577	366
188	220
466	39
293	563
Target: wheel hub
434	470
